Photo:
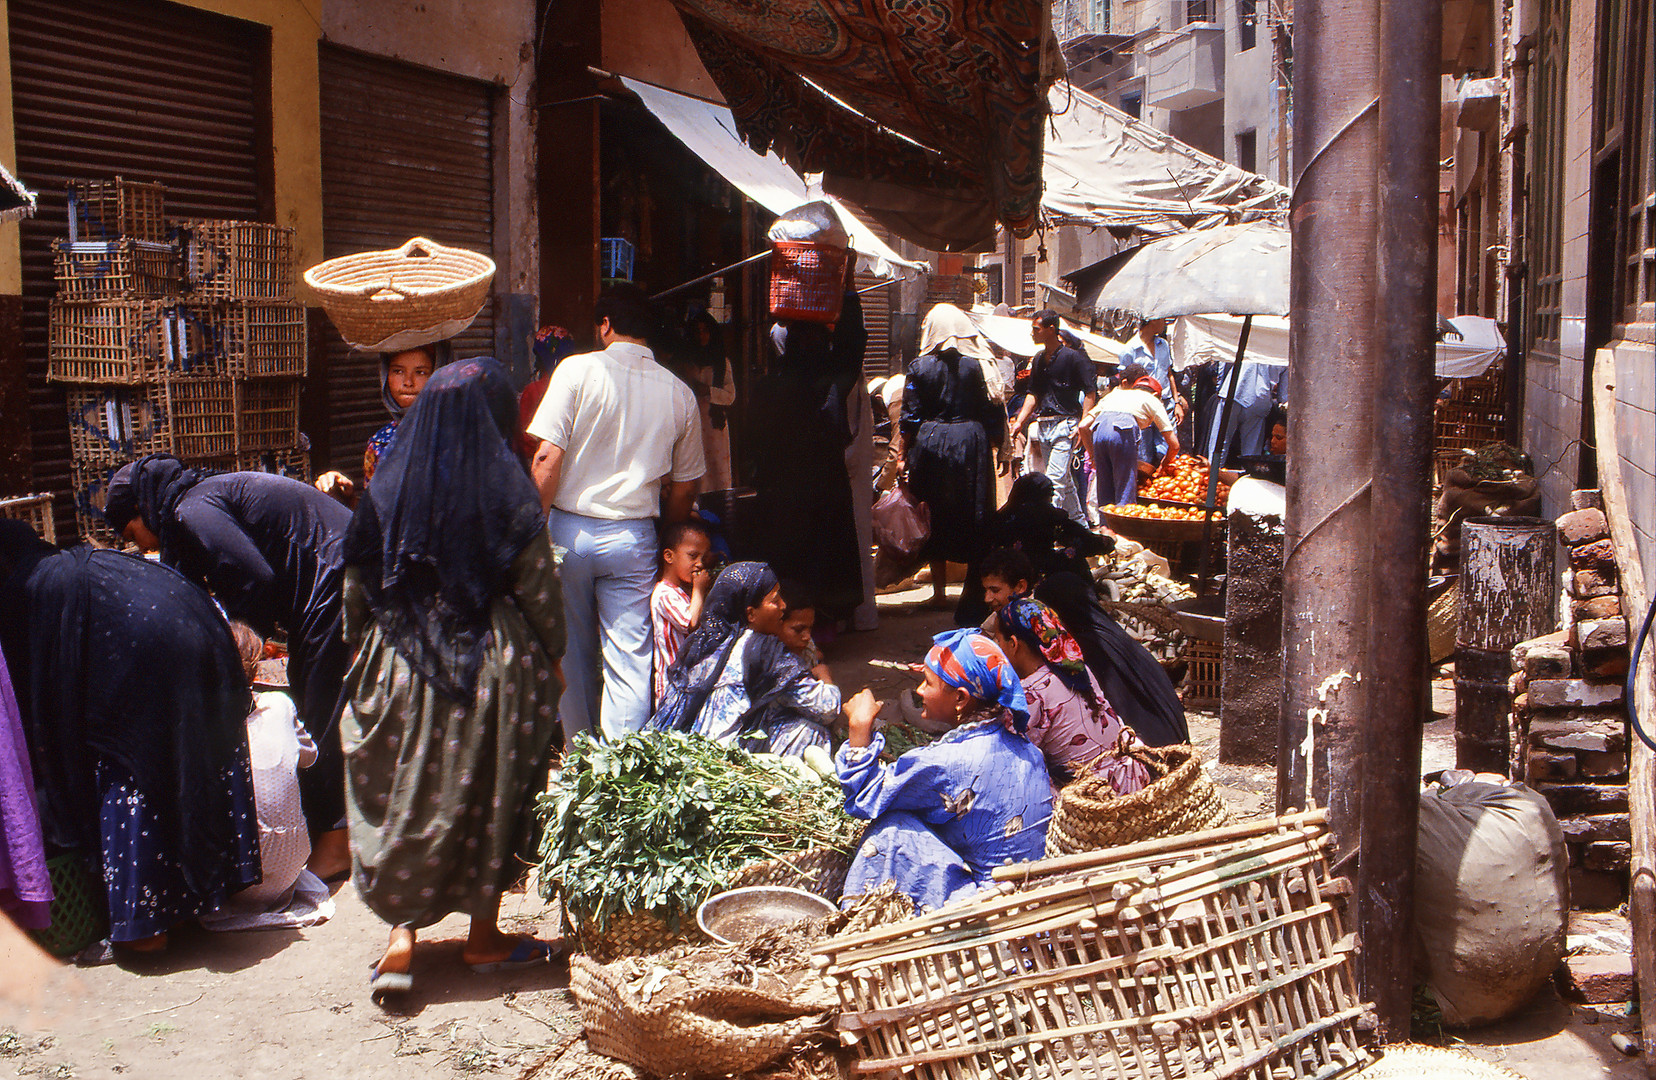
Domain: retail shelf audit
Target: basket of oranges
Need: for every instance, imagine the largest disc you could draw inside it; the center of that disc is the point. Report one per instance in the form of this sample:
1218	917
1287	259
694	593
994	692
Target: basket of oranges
1186	482
1141	522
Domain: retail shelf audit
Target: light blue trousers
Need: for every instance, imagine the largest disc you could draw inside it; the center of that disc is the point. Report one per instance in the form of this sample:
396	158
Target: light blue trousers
1051	448
608	570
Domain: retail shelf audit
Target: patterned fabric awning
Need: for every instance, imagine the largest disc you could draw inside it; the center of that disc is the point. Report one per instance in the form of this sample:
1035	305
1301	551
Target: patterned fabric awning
898	103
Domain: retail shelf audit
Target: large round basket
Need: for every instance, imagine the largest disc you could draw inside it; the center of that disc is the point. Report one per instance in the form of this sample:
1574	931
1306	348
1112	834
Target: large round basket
385	301
1088	814
1141	529
637	933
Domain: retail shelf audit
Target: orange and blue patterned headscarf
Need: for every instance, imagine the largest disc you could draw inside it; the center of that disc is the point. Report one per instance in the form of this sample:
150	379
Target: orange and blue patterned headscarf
971	661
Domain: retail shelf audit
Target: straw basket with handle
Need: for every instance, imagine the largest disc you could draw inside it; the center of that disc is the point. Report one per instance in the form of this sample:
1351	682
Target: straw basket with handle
1088	814
386	301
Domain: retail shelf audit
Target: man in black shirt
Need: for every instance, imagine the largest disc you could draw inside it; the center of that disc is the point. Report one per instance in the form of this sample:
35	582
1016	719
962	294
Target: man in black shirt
1061	388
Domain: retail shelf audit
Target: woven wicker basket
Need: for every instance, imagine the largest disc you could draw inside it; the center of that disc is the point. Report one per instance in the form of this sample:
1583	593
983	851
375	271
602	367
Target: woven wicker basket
384	301
1089	815
636	933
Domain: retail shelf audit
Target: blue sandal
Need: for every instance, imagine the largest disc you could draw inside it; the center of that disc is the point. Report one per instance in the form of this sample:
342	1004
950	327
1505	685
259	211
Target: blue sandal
384	984
526	953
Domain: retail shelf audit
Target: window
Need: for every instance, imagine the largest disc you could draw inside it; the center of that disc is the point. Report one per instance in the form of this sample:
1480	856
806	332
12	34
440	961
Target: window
1546	208
1631	45
1028	293
1246	17
1198	11
1247	150
1133	105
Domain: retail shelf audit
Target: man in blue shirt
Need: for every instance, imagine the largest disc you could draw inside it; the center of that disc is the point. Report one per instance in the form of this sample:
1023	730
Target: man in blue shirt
1149	347
1259	389
1061	388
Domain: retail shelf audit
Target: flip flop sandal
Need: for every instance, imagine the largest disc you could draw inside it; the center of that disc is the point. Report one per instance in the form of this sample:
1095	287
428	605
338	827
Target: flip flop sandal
386	984
526	954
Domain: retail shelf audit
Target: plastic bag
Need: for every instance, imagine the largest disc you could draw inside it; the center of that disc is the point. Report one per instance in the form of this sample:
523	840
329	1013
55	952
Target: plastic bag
814	222
901	525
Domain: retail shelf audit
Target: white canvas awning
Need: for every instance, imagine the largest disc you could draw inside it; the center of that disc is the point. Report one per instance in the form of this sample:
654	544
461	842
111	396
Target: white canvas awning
1198	339
1016	335
1102	167
709	132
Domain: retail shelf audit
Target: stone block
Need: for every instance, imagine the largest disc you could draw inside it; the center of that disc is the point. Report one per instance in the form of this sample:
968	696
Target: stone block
1599	607
1596	827
1600	765
1548	662
1579	731
1572	693
1597	978
1517	683
1586	584
1587	499
1605	664
1601	633
1571	800
1545	766
1520	651
1600	555
1583	527
1596	890
1610	855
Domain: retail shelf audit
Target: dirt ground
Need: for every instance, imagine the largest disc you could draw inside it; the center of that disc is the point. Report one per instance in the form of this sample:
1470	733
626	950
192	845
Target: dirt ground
295	1004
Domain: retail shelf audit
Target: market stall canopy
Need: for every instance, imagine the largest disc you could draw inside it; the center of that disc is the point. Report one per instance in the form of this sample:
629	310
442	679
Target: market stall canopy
16	201
1228	269
930	117
1199	339
1016	337
709	131
1102	167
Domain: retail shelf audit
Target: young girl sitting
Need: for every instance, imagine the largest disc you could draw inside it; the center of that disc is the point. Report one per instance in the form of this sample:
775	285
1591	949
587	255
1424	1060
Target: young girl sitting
945	815
791	730
278	745
734	678
1069	718
676	603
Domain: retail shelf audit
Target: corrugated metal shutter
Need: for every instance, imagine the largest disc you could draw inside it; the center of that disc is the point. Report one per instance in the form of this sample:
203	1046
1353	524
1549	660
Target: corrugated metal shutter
877	317
406	151
140	89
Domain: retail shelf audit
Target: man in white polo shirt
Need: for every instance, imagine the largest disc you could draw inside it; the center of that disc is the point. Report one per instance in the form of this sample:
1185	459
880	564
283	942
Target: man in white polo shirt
615	425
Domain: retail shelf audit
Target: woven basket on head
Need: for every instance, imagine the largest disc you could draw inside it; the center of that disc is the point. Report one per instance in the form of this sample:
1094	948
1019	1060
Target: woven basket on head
1088	814
384	301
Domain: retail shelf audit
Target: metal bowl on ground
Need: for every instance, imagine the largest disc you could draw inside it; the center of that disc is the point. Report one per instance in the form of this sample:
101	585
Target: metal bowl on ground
1201	617
743	914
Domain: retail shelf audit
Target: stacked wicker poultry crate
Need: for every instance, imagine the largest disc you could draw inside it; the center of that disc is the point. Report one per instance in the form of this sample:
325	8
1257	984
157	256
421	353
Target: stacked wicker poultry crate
181	337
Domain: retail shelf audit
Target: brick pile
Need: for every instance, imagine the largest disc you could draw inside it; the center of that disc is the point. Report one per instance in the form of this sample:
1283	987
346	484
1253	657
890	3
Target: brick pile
1570	733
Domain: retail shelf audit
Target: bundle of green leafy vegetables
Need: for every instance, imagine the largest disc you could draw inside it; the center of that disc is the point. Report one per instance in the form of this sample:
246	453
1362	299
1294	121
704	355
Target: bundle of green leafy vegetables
659	821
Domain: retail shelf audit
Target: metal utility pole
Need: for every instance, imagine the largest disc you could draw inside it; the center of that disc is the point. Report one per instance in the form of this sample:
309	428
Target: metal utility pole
1327	532
1411	33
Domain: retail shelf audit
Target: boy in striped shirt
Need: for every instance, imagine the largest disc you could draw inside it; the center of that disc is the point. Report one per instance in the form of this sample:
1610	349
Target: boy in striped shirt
676	602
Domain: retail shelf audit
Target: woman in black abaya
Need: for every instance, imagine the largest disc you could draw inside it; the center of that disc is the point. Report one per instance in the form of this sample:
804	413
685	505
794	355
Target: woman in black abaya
269	549
135	705
1130	677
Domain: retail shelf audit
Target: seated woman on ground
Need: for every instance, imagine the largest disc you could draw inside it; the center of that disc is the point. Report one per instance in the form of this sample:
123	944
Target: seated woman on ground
945	815
1133	681
734	680
1069	717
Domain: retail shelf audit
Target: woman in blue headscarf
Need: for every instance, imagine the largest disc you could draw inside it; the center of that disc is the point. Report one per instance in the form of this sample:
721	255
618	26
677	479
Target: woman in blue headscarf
945	815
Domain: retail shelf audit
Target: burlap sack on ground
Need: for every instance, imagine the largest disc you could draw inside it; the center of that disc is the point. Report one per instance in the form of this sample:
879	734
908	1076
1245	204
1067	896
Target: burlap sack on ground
1491	899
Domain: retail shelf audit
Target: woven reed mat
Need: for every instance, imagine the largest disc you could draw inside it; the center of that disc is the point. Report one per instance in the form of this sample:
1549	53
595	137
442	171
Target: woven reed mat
717	1010
1089	815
